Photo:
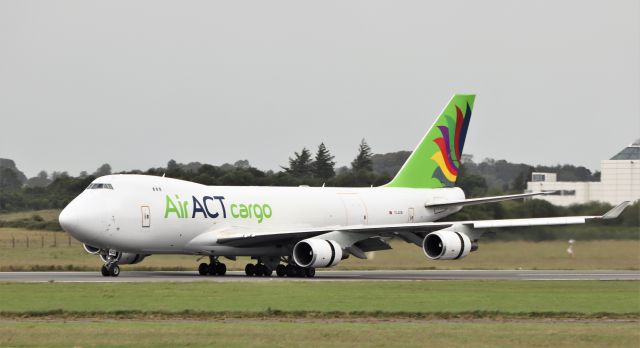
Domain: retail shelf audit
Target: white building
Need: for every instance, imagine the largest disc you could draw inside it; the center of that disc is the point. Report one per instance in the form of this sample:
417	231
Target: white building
619	181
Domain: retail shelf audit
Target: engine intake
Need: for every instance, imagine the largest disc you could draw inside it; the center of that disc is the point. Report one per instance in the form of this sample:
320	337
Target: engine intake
315	252
91	249
446	245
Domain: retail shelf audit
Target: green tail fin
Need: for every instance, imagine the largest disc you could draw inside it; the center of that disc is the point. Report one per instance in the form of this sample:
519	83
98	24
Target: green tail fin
435	162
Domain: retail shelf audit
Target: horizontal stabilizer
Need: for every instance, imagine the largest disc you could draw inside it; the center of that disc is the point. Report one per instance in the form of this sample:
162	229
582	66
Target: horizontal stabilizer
483	200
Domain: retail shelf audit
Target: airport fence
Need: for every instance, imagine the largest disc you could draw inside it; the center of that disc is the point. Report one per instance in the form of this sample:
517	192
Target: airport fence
35	240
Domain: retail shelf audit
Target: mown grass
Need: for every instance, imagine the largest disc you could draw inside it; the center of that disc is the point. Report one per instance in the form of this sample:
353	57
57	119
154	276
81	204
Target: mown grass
46	215
55	251
260	333
587	297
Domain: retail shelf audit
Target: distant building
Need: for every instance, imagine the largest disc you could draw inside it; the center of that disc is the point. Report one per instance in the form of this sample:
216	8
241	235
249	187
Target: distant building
619	181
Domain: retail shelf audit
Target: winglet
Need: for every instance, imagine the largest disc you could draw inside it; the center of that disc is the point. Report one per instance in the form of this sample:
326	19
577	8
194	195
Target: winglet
615	212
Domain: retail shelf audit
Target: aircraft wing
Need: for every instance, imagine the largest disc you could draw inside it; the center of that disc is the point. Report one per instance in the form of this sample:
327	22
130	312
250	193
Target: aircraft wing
411	232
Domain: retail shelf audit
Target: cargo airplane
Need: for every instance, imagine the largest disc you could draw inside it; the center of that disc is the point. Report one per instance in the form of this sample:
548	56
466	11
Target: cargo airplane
294	230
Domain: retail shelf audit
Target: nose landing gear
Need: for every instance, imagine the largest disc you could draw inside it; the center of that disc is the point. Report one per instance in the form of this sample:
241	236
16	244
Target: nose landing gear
110	267
110	270
215	267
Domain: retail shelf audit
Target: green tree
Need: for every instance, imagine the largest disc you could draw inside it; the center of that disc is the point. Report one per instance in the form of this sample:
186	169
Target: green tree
300	165
473	185
103	170
172	165
363	162
9	180
323	164
41	180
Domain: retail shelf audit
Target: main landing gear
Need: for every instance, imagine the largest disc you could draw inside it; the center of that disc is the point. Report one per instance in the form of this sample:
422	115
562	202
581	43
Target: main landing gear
289	270
213	268
258	270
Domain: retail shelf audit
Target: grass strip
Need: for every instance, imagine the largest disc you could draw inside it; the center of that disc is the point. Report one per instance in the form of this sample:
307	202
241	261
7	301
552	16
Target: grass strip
331	297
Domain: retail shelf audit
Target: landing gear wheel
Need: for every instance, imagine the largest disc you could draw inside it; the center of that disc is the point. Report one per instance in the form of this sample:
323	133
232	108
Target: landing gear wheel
281	270
211	269
114	270
259	270
310	272
266	271
291	270
203	269
105	271
250	270
221	269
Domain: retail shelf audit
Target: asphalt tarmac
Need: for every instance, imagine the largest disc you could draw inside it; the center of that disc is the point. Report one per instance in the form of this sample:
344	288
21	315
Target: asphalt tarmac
138	276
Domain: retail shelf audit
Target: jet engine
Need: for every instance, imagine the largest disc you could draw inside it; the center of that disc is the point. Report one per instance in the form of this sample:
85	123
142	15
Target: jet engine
446	245
120	258
124	258
315	252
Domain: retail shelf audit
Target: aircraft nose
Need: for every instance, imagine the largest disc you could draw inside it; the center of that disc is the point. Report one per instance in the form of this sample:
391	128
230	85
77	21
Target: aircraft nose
66	219
79	220
69	219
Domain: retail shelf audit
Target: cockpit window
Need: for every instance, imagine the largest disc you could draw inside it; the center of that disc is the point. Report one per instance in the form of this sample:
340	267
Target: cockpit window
97	186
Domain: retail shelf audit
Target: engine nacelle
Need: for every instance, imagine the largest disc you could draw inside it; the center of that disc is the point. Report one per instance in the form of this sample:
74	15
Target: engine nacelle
315	252
446	245
124	258
91	249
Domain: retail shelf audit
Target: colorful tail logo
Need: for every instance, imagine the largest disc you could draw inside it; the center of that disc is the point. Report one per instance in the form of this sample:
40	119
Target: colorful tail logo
450	146
435	163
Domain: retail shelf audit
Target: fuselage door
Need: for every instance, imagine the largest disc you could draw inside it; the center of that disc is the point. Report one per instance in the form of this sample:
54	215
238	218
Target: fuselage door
356	211
146	216
411	215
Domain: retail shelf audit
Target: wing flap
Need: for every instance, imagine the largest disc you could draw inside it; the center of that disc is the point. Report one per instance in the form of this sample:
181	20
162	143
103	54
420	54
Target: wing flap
529	222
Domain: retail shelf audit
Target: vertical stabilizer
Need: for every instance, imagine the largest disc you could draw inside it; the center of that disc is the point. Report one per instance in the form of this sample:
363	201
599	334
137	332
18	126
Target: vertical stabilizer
435	162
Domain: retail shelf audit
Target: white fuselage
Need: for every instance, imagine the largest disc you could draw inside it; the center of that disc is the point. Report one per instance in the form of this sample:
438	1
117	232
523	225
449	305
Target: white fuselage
152	215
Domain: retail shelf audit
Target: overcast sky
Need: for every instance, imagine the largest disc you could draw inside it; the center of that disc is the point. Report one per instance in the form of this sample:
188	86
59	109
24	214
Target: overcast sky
136	83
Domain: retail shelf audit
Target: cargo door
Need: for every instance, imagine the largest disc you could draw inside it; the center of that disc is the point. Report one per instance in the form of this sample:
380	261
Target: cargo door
356	211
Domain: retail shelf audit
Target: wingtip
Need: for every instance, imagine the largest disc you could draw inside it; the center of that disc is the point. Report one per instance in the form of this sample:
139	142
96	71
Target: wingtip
616	211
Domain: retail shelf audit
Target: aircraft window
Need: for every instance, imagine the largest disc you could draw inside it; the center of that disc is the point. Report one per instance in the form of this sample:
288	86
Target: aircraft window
97	186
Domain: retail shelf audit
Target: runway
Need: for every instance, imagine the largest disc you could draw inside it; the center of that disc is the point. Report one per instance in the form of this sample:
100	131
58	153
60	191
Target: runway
139	276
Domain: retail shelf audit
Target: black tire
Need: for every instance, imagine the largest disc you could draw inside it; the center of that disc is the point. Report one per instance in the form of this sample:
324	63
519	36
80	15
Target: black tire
266	271
310	272
250	270
211	269
221	269
114	270
105	271
259	270
291	270
203	269
281	270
